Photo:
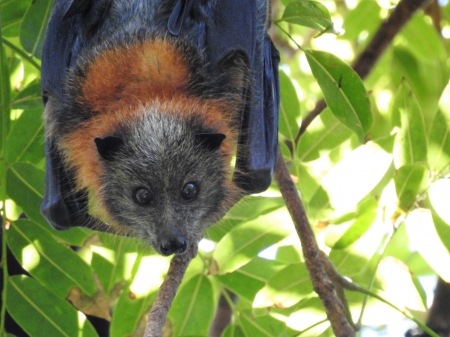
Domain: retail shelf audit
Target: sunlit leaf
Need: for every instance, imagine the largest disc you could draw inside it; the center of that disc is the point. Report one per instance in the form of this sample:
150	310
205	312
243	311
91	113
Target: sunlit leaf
426	79
440	198
289	254
399	287
343	90
424	237
25	139
250	207
266	326
34	26
247	280
323	135
56	266
439	141
443	230
41	313
423	38
349	181
410	180
308	13
29	98
289	108
245	241
309	313
357	229
411	141
363	19
285	288
25	185
193	308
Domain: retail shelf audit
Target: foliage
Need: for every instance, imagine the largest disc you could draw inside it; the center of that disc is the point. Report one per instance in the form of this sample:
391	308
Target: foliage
372	171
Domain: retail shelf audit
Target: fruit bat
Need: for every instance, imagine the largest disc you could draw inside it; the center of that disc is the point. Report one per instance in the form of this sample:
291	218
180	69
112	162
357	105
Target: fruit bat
147	102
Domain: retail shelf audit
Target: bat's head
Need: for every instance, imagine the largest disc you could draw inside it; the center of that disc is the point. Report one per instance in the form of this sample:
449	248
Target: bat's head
165	178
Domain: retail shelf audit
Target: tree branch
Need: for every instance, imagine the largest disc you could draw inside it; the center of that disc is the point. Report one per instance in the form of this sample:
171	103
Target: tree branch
371	54
321	282
161	305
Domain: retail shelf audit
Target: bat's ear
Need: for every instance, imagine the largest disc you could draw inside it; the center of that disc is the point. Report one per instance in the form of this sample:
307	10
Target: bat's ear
211	141
107	147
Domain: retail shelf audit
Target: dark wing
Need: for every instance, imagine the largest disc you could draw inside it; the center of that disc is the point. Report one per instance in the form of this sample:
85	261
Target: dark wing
227	26
61	206
242	25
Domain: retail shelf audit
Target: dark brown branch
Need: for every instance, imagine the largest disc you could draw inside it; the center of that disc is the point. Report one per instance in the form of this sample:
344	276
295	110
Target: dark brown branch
385	34
371	54
167	292
320	280
434	11
223	315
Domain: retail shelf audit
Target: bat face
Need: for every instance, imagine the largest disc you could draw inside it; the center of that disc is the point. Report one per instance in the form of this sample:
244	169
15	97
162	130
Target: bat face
164	180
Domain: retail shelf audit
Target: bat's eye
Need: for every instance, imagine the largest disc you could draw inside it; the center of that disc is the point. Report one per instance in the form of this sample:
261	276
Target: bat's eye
143	196
189	191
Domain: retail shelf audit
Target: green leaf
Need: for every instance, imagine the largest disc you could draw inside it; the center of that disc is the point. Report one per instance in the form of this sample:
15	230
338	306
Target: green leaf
25	185
410	180
308	13
29	98
5	92
244	242
343	90
253	206
25	138
34	26
357	229
289	254
233	331
443	230
399	286
440	198
310	312
285	288
41	313
264	326
193	308
364	18
439	142
12	13
289	108
56	266
427	79
324	134
423	39
247	280
359	172
424	237
411	141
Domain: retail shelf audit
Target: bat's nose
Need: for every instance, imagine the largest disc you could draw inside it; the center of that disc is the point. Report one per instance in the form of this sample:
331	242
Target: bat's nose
174	245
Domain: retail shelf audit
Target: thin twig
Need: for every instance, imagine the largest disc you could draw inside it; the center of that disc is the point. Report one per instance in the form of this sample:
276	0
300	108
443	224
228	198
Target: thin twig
372	53
161	305
320	280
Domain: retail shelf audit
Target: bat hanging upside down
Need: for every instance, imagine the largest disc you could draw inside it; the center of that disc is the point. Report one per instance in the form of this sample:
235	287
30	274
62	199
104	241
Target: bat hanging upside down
146	103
